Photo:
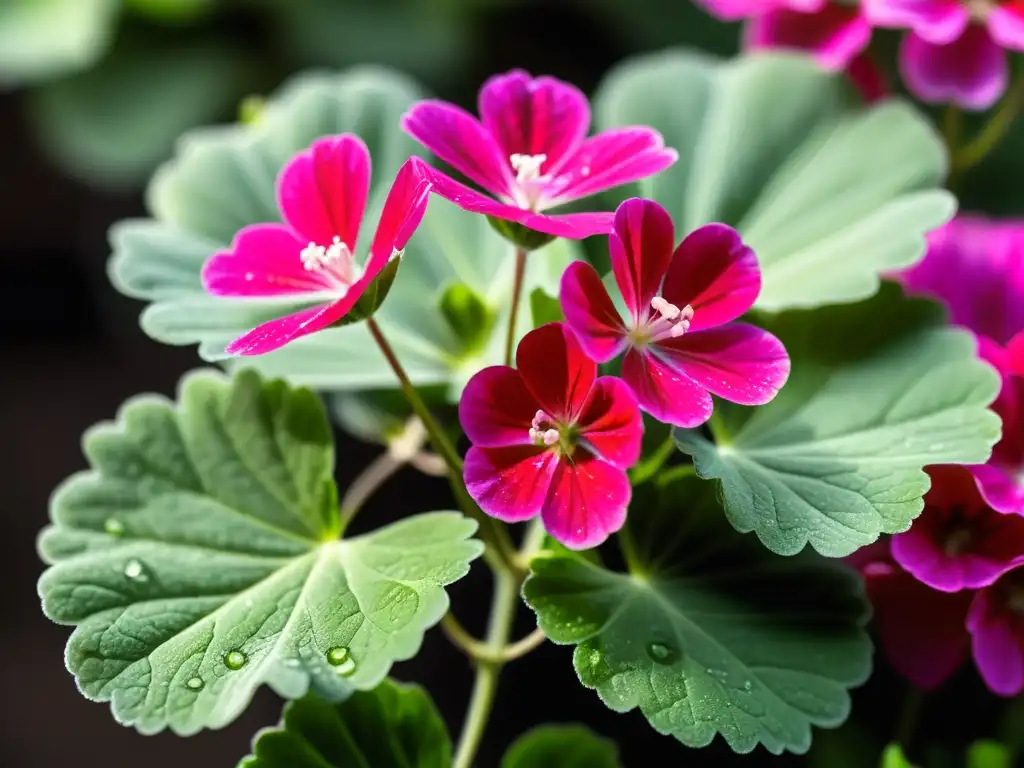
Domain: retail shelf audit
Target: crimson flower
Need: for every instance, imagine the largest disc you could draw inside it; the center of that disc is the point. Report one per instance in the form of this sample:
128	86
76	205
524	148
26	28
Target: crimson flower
681	346
996	624
551	438
321	193
529	151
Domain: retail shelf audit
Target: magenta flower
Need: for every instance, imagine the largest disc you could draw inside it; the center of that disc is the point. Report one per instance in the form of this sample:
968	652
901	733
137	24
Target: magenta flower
959	542
976	268
553	439
322	194
529	151
834	32
954	51
680	342
996	624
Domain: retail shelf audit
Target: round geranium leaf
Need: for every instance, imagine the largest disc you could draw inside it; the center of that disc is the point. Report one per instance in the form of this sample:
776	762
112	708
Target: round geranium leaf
830	194
561	746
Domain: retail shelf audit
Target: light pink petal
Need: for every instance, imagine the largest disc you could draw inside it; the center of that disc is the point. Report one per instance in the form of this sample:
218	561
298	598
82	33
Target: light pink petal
610	422
572	226
921	630
460	140
1000	488
640	248
715	273
274	334
555	370
322	191
738	362
997	639
586	502
1006	25
608	160
510	484
534	116
670	397
263	261
835	34
403	211
589	311
731	10
938	21
496	409
972	71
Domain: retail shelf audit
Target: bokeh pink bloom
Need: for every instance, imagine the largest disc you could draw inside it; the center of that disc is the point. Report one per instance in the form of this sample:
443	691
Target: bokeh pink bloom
551	438
680	342
322	194
530	153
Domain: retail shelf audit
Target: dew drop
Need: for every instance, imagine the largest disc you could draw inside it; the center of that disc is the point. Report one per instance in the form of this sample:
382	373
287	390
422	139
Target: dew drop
133	570
235	660
662	653
195	683
113	526
340	658
747	685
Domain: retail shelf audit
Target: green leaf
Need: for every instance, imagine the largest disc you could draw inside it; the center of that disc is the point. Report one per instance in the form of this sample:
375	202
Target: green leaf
988	754
878	391
468	316
380	415
711	633
829	194
561	746
893	757
392	726
199	559
223	179
171	11
544	308
40	39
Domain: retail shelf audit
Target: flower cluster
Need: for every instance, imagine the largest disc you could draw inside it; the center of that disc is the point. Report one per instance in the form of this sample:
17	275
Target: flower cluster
955	581
954	51
549	437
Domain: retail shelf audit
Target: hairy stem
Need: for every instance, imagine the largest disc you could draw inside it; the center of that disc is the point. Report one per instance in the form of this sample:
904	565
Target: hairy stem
648	468
376	473
517	289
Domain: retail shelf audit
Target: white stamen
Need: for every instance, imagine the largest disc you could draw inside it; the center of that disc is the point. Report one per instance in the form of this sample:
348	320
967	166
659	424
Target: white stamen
338	255
666	309
527	167
673	321
337	251
550	437
313	256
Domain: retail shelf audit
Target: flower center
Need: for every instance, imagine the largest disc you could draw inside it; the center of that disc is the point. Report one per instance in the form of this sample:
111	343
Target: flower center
529	180
959	532
667	321
547	432
336	258
980	9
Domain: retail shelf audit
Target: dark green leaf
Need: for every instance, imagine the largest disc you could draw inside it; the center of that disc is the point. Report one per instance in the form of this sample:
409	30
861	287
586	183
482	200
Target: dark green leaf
561	746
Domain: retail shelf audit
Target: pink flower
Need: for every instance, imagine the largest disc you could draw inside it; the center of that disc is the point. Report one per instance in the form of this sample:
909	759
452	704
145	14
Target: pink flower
959	542
553	439
681	346
321	193
996	624
954	52
529	151
834	32
976	268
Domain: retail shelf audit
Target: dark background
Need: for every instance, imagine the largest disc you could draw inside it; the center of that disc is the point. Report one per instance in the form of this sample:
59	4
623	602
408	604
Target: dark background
71	352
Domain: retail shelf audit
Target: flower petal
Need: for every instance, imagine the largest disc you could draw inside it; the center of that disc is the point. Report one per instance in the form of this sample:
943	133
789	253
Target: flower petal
958	542
572	226
589	311
667	395
611	424
738	362
555	370
1015	354
274	334
835	34
510	484
263	261
609	159
972	71
403	211
869	78
1006	25
460	140
938	21
997	639
640	248
322	191
715	273
586	502
534	116
496	409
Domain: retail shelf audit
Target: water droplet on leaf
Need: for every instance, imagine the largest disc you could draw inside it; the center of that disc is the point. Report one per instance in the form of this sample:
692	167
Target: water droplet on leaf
235	660
662	653
113	526
195	683
133	570
340	657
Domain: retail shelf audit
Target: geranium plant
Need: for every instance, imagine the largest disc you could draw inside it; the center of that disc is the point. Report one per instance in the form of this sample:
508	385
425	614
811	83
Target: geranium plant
766	355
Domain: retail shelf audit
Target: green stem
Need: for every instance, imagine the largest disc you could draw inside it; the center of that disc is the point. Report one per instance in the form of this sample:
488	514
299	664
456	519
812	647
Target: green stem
376	473
630	551
648	467
674	473
517	289
909	716
718	429
994	130
500	554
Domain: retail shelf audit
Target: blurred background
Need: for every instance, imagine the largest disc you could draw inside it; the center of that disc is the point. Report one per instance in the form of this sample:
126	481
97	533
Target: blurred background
93	94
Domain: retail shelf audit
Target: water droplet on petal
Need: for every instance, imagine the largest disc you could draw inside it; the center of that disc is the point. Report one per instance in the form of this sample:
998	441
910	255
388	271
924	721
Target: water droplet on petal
113	526
662	653
195	683
340	658
235	660
133	570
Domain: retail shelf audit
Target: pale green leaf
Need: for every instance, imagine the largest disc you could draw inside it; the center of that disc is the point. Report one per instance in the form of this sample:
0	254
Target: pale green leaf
200	558
561	746
710	634
392	726
878	391
829	194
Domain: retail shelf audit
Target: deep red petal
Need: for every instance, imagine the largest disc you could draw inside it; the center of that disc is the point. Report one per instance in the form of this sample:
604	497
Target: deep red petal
586	502
496	409
589	311
555	370
510	484
610	422
640	249
666	394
